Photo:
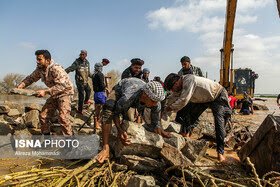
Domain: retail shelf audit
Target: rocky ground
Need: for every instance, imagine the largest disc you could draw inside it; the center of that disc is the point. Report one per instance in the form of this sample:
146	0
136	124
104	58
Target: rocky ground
150	160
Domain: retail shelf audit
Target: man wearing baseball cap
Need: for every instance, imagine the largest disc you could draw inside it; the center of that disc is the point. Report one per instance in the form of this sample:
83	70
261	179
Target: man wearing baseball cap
131	92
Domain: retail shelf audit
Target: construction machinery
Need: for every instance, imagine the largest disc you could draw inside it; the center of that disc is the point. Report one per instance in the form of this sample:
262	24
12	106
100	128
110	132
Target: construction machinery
237	81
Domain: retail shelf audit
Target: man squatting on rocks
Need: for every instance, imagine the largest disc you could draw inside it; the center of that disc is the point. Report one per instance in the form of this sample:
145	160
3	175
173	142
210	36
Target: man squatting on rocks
60	90
81	67
203	93
99	87
131	92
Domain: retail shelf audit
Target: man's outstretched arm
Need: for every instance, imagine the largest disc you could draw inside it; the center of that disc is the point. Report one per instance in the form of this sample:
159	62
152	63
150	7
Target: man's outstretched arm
33	77
71	68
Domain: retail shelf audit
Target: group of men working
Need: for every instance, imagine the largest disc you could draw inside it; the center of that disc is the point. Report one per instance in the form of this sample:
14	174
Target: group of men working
189	95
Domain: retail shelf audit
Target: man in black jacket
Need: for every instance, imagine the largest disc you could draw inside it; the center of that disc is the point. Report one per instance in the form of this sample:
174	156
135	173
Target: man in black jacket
135	70
82	73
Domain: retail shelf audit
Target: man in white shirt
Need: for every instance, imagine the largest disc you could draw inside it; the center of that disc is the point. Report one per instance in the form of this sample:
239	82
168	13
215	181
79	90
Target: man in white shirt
203	93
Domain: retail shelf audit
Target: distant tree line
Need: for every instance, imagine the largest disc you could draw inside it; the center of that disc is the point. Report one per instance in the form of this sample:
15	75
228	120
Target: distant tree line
11	80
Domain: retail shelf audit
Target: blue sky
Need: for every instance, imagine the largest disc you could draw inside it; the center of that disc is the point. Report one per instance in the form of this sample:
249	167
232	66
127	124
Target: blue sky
158	31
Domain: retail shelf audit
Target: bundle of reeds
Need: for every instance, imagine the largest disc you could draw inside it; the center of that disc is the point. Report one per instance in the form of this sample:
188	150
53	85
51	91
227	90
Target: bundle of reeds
91	174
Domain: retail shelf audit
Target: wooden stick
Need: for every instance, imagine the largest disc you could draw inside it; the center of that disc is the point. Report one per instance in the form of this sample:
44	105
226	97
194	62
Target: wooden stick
76	172
254	172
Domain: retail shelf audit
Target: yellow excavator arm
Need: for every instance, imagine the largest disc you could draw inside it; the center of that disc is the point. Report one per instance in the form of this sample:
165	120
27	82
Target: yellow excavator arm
240	80
227	49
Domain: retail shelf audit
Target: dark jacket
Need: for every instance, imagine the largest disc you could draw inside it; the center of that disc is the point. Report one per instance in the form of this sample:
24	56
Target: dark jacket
127	73
98	82
82	71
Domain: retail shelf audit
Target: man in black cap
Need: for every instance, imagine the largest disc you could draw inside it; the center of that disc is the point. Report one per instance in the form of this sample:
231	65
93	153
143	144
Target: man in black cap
203	93
82	74
188	68
134	70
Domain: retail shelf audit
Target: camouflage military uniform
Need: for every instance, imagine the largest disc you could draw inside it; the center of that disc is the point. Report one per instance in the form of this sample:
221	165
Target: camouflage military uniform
60	89
193	70
82	75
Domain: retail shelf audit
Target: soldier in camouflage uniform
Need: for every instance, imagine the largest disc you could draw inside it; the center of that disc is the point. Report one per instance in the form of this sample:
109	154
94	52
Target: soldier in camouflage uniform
60	89
82	75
